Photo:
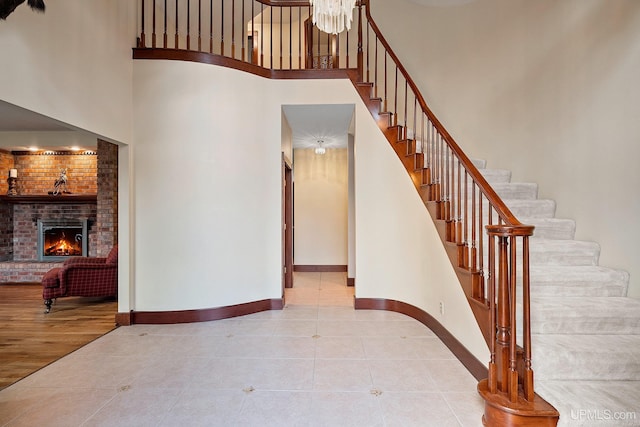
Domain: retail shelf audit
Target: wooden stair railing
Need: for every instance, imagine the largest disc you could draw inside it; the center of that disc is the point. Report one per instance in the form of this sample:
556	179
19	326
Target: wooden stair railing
271	34
493	268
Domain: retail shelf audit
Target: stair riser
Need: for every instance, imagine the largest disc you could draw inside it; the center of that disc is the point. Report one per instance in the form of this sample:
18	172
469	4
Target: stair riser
544	253
543	325
496	176
532	208
568	365
590	290
562	258
553	230
516	191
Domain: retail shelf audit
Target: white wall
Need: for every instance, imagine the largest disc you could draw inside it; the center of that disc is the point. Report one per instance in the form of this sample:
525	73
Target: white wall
399	253
544	88
72	63
208	204
320	207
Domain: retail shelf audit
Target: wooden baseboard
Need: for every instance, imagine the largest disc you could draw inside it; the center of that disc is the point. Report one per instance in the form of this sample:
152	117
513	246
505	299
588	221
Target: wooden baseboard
123	319
204	315
473	365
351	281
319	268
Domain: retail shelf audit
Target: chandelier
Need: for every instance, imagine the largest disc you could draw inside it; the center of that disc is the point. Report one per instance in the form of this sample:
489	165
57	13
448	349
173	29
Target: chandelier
320	149
332	16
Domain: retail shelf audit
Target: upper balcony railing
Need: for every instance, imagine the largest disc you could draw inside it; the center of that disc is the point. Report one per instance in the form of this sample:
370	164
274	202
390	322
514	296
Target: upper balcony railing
276	38
275	35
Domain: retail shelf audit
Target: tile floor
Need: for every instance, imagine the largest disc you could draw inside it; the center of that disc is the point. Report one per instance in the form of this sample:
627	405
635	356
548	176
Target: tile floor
318	362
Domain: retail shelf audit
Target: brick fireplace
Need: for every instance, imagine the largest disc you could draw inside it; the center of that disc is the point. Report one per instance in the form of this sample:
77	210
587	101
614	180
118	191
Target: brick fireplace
92	199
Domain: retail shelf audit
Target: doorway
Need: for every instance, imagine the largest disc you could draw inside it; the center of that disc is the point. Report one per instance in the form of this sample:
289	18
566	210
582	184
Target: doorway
319	140
287	222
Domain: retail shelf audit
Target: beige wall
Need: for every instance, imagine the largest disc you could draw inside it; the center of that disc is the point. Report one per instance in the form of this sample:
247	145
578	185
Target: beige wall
230	235
320	207
545	88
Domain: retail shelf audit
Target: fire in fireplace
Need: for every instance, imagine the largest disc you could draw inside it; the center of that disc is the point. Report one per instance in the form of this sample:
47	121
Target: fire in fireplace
61	238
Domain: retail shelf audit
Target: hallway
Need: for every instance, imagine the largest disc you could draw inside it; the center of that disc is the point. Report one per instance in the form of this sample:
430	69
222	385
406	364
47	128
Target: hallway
318	362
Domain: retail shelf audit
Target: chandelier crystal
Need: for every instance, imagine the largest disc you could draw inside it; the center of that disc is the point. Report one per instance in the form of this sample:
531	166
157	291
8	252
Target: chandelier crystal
333	16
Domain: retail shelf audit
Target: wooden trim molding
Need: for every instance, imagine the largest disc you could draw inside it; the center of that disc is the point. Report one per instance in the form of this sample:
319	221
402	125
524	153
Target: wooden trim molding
214	59
123	319
51	199
473	365
204	315
56	153
351	281
319	268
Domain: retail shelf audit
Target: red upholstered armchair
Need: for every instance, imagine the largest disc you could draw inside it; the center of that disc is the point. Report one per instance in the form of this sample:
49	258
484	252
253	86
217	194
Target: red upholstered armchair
82	277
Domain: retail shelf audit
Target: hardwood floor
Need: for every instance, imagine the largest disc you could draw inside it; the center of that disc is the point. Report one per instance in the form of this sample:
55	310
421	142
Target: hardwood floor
30	339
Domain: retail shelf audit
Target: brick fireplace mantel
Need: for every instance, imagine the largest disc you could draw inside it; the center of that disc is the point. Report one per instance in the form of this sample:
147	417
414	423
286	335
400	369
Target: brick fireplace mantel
48	198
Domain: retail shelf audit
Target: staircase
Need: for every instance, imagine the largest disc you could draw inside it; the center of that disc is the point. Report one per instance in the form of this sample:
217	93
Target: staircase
585	330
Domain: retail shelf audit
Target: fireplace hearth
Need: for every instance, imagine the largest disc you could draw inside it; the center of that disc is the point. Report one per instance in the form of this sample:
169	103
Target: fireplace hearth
61	238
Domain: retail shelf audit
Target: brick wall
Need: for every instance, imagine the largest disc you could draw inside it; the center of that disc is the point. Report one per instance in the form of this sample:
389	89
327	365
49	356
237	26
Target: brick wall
107	209
6	163
37	173
6	213
6	232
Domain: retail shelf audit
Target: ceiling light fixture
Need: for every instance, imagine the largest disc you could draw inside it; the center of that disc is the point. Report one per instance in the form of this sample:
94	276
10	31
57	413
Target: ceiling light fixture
320	149
333	16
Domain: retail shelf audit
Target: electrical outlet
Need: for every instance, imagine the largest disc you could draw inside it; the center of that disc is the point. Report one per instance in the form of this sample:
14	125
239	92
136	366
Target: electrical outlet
441	308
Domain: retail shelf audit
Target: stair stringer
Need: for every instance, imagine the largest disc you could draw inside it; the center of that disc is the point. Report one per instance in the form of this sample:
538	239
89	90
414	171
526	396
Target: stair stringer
410	161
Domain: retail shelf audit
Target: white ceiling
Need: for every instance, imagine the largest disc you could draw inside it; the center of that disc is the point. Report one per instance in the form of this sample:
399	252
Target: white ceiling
16	119
21	129
311	123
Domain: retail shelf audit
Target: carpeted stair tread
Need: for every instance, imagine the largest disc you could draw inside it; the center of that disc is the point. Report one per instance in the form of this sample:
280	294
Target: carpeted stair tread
516	190
563	252
538	208
551	228
585	315
494	176
586	357
576	281
604	401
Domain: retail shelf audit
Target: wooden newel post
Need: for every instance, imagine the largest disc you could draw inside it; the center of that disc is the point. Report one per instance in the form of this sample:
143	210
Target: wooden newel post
503	318
503	366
